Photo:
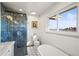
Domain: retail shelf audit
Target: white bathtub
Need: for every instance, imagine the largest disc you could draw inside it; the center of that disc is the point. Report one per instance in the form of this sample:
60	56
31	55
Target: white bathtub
47	50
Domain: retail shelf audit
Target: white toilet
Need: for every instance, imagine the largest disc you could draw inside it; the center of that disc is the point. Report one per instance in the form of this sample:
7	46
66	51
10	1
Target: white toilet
36	40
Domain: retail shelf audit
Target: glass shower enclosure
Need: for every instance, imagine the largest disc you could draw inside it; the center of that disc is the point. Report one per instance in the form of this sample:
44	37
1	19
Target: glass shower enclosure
13	28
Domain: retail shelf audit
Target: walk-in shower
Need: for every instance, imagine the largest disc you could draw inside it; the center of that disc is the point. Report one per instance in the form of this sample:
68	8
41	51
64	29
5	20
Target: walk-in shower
13	28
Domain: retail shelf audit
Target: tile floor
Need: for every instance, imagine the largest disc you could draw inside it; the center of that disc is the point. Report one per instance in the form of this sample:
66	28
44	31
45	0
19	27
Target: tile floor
32	51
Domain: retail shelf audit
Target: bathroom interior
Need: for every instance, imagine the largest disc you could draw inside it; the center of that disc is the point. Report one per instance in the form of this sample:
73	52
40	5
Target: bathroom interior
39	29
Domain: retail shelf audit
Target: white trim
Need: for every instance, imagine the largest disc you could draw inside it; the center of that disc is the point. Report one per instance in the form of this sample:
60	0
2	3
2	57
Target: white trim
78	18
74	34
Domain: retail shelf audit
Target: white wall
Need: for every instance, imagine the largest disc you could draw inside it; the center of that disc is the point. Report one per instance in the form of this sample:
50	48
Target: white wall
68	44
31	30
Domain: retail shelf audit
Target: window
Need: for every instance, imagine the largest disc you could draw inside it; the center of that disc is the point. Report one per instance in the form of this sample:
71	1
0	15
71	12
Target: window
68	19
52	23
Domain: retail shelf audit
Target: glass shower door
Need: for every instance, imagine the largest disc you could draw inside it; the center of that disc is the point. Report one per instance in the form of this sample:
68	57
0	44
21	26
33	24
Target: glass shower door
13	28
18	29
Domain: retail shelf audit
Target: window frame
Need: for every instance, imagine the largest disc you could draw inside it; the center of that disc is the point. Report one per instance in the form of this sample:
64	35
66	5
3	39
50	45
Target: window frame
76	16
65	10
50	18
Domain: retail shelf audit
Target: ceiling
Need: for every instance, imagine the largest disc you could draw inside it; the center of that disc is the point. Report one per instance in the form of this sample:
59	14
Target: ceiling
28	7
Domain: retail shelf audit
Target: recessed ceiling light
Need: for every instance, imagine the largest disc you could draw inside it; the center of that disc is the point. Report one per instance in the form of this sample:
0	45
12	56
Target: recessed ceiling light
20	9
33	13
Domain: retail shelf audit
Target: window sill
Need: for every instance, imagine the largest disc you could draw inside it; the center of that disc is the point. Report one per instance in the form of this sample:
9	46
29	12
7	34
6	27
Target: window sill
64	33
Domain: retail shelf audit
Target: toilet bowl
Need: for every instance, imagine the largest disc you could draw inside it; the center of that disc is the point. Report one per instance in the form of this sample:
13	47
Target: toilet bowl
36	43
36	40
